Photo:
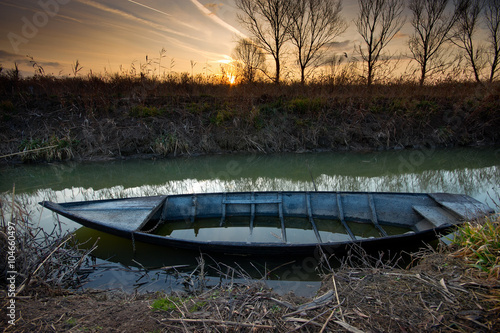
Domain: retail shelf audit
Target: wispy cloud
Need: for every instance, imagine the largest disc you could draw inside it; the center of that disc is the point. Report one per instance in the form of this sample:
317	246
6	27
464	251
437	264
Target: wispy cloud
217	19
6	56
148	7
171	17
16	6
135	18
340	46
9	56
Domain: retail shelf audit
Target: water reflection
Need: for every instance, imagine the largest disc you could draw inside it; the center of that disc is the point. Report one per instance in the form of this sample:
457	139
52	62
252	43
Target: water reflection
474	172
296	168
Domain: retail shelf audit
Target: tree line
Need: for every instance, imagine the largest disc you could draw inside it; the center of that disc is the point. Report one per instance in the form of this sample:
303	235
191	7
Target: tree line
311	27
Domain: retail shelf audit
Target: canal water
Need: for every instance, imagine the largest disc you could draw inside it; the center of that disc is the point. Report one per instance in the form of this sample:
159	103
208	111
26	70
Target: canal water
120	264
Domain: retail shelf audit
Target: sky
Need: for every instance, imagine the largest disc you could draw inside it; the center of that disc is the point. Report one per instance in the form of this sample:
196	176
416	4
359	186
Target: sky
111	35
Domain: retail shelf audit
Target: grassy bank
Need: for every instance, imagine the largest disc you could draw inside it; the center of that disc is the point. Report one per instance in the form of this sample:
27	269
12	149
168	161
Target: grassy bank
47	118
455	288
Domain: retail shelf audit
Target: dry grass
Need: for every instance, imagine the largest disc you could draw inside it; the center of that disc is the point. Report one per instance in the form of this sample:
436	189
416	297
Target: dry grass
41	259
119	116
479	245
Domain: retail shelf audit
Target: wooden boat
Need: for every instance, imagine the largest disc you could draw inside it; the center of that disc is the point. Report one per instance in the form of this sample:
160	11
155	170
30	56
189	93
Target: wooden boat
274	223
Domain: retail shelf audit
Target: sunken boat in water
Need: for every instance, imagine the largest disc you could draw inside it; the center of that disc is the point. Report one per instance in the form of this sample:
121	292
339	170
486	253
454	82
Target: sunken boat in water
277	223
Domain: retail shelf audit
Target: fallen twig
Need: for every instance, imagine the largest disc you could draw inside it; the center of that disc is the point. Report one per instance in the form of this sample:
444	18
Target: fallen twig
28	151
218	322
348	327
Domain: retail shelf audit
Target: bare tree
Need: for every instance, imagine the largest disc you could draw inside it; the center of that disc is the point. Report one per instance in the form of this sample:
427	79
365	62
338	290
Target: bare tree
314	24
268	22
250	57
378	22
432	27
492	18
468	17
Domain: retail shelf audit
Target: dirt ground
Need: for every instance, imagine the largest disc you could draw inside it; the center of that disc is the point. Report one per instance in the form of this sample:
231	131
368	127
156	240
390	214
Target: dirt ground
440	293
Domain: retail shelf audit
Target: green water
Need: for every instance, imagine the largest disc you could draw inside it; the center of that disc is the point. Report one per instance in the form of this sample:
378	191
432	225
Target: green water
465	170
471	171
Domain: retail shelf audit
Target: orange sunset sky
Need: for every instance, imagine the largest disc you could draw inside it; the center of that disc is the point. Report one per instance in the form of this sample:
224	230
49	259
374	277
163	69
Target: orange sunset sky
104	34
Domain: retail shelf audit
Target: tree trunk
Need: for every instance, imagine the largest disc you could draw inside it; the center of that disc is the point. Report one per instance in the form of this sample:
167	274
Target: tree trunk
277	77
370	74
422	74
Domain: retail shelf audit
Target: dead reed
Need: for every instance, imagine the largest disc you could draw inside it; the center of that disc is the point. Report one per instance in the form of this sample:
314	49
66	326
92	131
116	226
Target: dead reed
43	260
434	292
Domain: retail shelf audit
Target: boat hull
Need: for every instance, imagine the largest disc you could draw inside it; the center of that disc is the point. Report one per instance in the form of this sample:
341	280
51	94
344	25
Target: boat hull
423	218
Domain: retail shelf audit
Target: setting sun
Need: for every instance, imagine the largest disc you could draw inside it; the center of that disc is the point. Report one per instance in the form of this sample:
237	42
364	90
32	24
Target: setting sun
231	78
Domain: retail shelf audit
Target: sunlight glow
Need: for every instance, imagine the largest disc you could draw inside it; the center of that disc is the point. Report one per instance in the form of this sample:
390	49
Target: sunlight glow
225	61
231	78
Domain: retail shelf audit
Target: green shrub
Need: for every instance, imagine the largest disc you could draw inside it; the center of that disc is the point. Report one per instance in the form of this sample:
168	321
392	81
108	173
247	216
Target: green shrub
221	116
47	150
305	105
173	303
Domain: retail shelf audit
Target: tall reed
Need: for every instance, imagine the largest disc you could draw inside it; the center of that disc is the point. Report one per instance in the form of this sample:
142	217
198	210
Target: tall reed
41	259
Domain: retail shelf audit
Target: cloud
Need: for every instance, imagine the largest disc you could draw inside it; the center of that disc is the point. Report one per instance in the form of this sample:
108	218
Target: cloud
399	35
148	7
213	7
217	19
340	46
8	56
134	18
18	6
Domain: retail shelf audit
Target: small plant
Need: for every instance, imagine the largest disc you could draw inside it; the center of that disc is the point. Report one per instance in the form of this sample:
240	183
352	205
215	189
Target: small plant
47	150
14	74
480	245
272	108
174	303
166	144
76	68
71	322
199	108
167	304
305	105
221	116
39	71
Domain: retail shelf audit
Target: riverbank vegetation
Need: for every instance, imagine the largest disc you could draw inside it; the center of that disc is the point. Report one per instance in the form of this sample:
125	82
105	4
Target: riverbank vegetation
44	118
450	288
291	86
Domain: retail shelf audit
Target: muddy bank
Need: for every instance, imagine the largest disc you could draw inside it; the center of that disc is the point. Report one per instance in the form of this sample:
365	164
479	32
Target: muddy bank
85	119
